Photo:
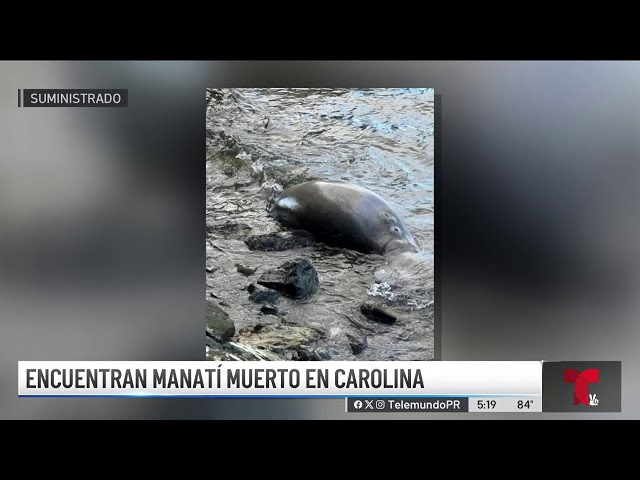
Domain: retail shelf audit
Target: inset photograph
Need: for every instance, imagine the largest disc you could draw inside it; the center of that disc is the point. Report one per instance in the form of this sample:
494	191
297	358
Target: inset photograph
320	224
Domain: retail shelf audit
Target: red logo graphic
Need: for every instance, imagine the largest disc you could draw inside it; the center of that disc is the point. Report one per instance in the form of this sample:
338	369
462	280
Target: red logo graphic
581	381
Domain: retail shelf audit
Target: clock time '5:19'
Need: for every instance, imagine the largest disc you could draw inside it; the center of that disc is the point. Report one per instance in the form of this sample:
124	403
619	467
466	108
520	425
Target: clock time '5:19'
486	404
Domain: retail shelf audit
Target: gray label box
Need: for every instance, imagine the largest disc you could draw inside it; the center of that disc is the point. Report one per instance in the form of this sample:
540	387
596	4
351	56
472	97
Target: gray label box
581	386
405	404
59	97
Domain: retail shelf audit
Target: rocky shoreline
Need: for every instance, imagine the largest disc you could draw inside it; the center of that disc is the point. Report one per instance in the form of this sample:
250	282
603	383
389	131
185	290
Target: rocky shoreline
274	337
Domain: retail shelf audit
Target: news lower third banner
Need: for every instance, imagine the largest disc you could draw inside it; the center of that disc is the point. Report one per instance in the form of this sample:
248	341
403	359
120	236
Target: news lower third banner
366	386
287	378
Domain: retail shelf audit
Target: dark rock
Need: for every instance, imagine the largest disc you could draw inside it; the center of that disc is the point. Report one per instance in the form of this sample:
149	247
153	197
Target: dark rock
284	321
210	269
212	343
357	344
280	241
216	350
250	330
377	314
213	295
302	355
306	353
219	326
269	310
246	271
323	353
296	279
262	295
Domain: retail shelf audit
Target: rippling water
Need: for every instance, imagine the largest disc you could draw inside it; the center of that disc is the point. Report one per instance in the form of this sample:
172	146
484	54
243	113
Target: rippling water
261	140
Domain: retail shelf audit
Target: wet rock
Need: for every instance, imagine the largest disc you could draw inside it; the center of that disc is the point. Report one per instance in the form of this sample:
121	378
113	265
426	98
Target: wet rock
262	295
296	279
277	242
357	344
377	314
307	353
219	326
244	270
215	351
269	310
302	355
278	338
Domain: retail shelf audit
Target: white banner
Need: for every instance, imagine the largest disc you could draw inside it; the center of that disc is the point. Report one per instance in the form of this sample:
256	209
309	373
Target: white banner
255	379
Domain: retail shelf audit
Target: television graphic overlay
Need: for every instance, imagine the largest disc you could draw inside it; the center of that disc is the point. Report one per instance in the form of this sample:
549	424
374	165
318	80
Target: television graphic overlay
581	381
582	386
320	224
365	387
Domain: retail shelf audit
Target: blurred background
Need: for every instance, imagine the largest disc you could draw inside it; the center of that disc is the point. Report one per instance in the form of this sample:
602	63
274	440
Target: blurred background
102	218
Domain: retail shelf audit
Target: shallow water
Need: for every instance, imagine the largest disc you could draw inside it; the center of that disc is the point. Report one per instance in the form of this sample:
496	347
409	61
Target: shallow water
261	140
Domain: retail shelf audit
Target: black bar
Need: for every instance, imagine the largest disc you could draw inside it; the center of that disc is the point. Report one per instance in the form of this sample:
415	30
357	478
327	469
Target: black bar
19	99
